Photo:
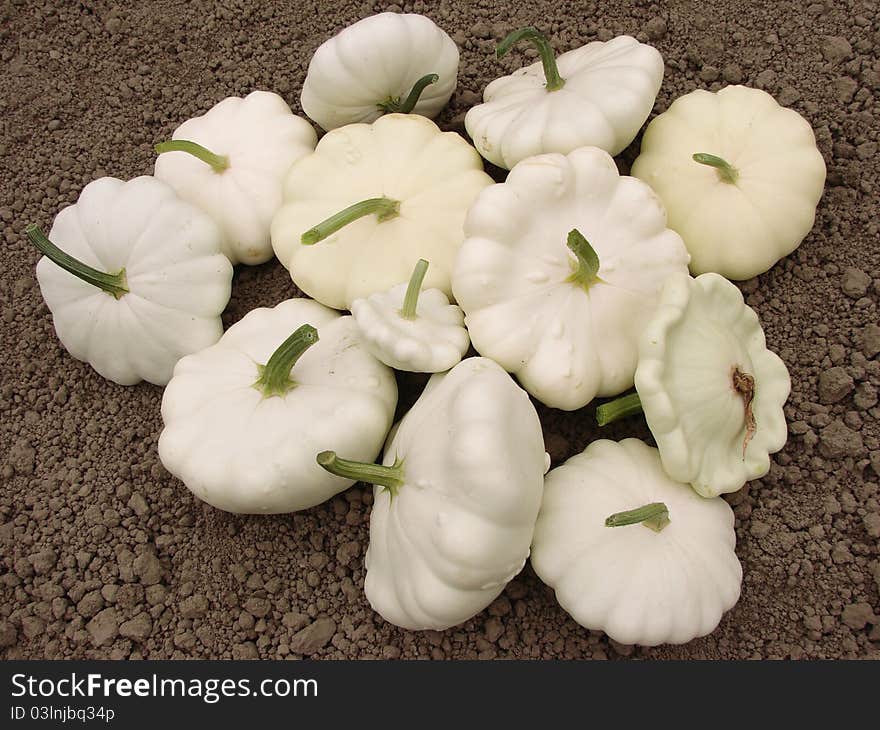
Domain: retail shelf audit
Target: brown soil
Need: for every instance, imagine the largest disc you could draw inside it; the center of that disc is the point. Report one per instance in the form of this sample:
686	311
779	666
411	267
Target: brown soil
104	554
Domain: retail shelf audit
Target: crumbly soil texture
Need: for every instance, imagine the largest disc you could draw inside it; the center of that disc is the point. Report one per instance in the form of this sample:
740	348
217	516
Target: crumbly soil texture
106	555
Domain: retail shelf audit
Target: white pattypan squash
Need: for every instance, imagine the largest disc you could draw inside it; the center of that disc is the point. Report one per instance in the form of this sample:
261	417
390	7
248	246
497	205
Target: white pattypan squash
410	329
370	202
231	162
456	499
740	177
711	391
630	551
244	418
597	95
565	317
134	278
390	62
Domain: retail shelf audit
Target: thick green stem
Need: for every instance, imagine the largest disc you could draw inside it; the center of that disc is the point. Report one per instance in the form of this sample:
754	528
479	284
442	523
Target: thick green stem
218	162
623	407
390	477
587	272
411	300
394	104
539	40
114	284
727	173
654	516
275	375
384	209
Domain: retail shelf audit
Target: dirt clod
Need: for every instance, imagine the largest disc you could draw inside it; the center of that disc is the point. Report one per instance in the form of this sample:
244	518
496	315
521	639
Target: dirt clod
8	634
837	440
104	627
194	607
656	28
90	604
148	568
313	637
138	628
872	525
834	385
870	340
836	49
855	282
858	615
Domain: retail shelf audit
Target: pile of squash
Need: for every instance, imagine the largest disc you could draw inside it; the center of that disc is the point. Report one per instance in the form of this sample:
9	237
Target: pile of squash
568	276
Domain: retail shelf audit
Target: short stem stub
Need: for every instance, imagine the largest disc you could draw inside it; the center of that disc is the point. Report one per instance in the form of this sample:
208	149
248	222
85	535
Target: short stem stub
114	284
744	387
539	40
394	104
654	516
413	289
727	173
218	162
587	272
390	477
623	407
383	208
275	375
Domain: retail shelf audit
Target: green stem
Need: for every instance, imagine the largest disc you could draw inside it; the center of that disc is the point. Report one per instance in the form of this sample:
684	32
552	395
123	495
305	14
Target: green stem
727	173
539	40
394	104
411	300
275	375
623	407
114	284
384	208
218	162
587	272
390	477
654	516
